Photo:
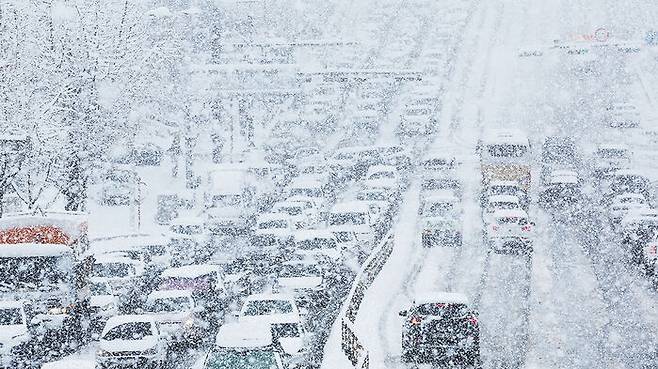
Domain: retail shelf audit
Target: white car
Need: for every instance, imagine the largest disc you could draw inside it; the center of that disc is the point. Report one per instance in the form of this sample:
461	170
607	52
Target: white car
303	279
382	177
272	234
625	203
611	157
120	272
499	202
189	240
510	231
102	302
244	345
320	244
280	311
356	217
622	115
131	340
301	213
177	313
14	334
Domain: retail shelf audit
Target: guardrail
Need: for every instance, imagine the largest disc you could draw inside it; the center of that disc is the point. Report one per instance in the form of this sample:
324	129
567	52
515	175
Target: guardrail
352	346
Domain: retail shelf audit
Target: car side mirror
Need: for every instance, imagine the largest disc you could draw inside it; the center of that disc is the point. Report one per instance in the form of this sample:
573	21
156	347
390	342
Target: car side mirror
532	224
403	313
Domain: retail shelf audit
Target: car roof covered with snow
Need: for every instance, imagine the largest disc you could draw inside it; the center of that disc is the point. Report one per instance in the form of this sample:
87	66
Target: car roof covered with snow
305	183
114	258
381	168
510	213
165	294
191	271
351	207
504	136
244	335
503	198
440	297
11	304
504	184
312	234
34	249
126	242
266	217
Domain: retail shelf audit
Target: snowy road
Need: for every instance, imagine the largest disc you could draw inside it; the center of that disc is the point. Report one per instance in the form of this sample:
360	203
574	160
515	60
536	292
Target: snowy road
577	303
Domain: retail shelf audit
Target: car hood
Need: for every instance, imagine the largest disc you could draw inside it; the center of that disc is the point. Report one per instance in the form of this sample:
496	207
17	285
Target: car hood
297	283
13	333
129	345
178	316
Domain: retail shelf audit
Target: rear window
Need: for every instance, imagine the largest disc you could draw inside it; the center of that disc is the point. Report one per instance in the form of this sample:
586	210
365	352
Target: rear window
316	244
507	151
11	316
441	310
268	307
512	220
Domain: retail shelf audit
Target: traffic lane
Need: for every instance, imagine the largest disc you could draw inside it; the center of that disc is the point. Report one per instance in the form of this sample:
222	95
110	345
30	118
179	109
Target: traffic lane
504	311
568	313
632	333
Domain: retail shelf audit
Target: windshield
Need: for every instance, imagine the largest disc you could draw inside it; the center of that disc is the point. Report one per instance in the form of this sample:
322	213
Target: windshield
382	175
299	270
219	201
372	196
347	219
316	244
290	210
507	151
442	310
438	208
273	224
286	330
129	331
170	304
113	270
35	271
99	289
612	153
187	229
268	307
11	316
310	192
242	359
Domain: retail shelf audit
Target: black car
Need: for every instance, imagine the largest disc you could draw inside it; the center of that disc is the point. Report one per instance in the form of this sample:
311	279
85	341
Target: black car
441	328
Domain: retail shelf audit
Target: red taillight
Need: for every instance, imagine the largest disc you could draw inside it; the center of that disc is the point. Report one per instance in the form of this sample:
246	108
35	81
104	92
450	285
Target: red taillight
473	321
415	320
494	228
526	228
653	249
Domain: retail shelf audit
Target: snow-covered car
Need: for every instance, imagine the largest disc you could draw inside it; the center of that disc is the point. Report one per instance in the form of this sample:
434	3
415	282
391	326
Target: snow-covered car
437	162
304	280
15	334
280	311
441	328
273	234
355	217
146	154
383	177
510	230
627	181
560	191
438	181
649	259
301	213
622	115
189	241
118	186
499	202
102	303
511	188
311	188
416	120
611	157
441	220
244	345
320	244
380	202
129	341
396	156
122	273
148	248
178	316
625	203
343	164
